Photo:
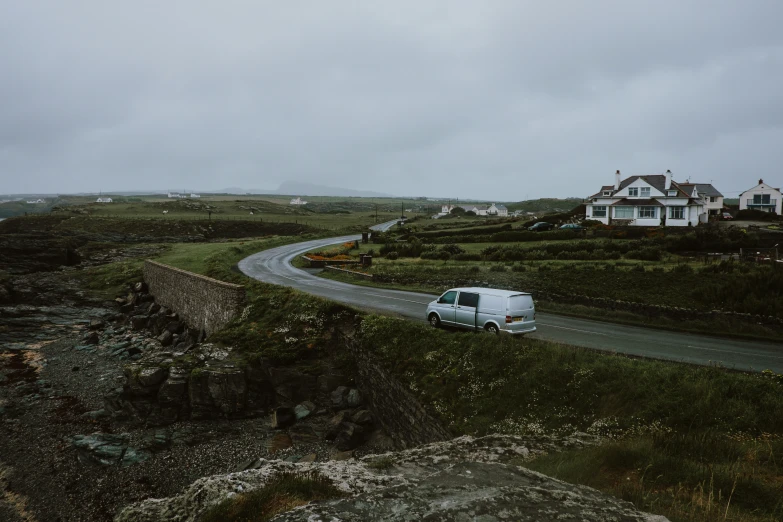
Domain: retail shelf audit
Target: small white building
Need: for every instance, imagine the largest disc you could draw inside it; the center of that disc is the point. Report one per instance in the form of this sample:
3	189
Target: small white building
192	195
497	210
298	201
762	197
35	201
174	195
651	201
104	200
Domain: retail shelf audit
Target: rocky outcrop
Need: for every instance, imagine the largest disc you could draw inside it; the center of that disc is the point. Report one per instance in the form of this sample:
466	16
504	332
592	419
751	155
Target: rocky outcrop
466	478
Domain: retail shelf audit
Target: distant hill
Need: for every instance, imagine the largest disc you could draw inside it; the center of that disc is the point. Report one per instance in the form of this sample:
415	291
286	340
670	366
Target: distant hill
545	205
296	188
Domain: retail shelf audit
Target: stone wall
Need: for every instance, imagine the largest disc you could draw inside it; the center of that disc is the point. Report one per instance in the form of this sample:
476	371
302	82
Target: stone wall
395	408
202	302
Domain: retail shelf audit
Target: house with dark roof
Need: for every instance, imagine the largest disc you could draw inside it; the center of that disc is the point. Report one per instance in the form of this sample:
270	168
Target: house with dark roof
762	197
651	201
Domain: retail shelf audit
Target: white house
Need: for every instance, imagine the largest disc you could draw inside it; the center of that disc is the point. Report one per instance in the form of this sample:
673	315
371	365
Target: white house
762	197
35	201
497	210
103	200
713	200
174	195
298	201
650	201
192	195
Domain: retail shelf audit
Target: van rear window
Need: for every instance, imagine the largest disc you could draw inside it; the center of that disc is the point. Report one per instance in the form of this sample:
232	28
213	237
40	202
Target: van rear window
520	302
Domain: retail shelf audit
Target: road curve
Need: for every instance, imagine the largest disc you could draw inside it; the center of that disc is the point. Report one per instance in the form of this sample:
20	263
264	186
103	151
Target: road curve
274	266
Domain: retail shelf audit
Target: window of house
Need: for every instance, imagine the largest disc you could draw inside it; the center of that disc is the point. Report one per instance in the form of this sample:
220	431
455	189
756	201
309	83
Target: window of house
761	199
677	212
599	211
712	199
607	193
648	212
623	212
646	192
672	193
633	191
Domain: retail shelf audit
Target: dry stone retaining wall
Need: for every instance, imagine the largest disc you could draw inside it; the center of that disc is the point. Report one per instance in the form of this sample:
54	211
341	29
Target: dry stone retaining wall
402	417
203	302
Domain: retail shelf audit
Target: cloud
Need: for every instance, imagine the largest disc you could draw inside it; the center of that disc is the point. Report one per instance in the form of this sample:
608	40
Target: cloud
497	100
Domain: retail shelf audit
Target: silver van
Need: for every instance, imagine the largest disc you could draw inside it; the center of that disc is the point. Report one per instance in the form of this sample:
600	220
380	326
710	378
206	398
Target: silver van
484	308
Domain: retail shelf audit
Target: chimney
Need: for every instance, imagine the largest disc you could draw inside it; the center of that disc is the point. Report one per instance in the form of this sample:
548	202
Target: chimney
761	181
617	180
668	180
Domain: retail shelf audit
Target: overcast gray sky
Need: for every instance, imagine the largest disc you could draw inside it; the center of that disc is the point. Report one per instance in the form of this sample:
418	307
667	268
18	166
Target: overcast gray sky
494	99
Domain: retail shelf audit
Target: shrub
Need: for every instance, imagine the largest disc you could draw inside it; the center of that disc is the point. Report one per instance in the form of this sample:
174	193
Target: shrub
497	268
474	269
466	257
280	494
436	254
682	269
392	256
637	268
452	249
519	268
645	254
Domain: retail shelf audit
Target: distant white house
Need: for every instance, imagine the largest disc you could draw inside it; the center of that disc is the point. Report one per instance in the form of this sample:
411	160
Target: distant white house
497	210
35	201
762	197
104	200
479	210
192	195
298	201
651	201
177	195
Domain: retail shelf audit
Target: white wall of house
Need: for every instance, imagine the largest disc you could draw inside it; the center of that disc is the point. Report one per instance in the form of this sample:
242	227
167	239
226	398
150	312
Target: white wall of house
604	206
713	204
756	193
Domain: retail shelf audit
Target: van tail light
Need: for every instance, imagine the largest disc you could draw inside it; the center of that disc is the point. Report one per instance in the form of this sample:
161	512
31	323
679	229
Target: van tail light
508	319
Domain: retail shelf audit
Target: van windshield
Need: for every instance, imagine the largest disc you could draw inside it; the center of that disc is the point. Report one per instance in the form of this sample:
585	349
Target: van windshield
520	302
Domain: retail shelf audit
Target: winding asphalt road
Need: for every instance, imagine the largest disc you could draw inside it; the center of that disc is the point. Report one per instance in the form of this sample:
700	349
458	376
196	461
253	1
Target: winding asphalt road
274	266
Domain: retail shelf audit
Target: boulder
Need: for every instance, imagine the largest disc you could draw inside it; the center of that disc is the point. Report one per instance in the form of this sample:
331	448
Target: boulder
303	434
165	338
354	398
91	338
333	426
139	322
97	324
349	436
218	392
141	286
304	409
362	418
340	397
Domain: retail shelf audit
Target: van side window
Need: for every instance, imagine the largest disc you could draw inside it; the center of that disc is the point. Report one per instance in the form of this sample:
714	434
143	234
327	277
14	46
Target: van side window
468	299
448	298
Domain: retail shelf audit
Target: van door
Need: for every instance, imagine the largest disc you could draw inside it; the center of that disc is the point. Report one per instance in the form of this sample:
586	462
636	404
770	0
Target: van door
446	306
465	316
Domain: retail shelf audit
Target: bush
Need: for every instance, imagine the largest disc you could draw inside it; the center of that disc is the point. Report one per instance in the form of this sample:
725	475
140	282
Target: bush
519	268
645	254
392	256
637	268
280	494
497	268
466	257
436	254
474	269
452	249
682	269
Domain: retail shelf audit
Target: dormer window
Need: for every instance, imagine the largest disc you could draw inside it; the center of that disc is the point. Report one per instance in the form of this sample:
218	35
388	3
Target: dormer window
645	192
607	192
633	192
672	193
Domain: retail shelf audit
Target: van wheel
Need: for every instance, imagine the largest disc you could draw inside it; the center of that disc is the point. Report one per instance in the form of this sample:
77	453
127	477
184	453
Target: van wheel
492	328
435	320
